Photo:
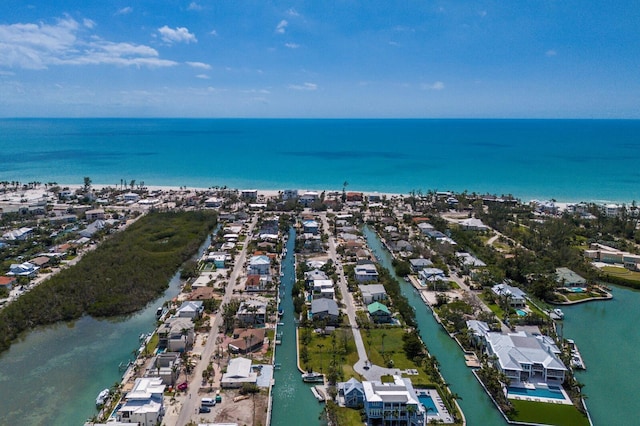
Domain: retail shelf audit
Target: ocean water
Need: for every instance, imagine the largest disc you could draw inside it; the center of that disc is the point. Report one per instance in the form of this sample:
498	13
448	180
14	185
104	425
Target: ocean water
568	160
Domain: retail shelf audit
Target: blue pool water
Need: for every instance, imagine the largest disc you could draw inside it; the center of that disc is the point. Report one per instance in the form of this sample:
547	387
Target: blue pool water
553	392
428	403
521	313
576	290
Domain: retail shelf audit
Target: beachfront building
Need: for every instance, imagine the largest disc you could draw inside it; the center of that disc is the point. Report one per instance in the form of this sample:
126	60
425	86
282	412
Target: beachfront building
289	194
238	373
249	194
523	357
372	293
515	296
394	403
144	404
366	271
308	198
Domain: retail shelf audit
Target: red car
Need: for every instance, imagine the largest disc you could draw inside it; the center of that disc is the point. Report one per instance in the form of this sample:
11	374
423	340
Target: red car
182	386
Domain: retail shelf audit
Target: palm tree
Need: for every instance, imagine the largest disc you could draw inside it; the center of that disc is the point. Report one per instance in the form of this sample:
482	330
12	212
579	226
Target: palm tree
320	346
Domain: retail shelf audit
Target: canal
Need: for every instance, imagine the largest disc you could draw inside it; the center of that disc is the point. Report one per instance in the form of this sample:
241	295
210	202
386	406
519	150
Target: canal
53	375
293	402
475	403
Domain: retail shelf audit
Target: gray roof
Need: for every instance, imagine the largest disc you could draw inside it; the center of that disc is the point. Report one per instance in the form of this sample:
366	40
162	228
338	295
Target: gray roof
324	305
566	276
515	349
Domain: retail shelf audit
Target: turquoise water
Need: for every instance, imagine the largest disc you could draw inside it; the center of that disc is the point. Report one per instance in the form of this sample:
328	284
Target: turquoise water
293	402
521	313
552	392
527	158
428	403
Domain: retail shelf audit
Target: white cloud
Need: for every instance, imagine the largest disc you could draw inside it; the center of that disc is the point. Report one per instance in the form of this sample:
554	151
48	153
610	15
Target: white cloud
88	23
305	86
194	6
203	76
551	52
293	12
438	85
37	46
281	27
124	11
292	45
200	65
178	35
394	43
213	33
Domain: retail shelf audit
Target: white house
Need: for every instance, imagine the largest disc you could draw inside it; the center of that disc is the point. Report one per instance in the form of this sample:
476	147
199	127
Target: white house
393	403
310	227
473	224
25	269
259	265
323	288
366	271
17	234
309	198
131	197
190	309
289	194
372	293
252	312
515	296
144	404
238	372
176	334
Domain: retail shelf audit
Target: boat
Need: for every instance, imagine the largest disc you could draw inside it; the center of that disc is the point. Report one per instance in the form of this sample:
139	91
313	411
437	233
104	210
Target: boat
159	312
576	358
102	397
280	312
557	314
313	377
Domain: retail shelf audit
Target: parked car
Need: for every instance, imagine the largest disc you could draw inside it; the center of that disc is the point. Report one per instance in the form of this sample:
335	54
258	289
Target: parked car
204	410
182	386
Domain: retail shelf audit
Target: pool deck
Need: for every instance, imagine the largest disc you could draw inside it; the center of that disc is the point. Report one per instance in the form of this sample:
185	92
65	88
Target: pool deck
443	414
566	400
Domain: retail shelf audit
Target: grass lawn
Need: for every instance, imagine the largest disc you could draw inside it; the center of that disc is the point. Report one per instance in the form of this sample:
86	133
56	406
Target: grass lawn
550	414
393	343
349	417
320	351
579	296
153	343
622	272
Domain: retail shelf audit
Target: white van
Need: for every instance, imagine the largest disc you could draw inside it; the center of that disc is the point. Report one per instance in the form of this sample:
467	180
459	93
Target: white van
208	402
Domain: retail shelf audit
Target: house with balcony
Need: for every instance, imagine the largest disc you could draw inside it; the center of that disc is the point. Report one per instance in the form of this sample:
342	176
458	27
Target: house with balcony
372	293
394	403
259	265
515	296
144	404
190	309
176	334
252	312
365	271
379	313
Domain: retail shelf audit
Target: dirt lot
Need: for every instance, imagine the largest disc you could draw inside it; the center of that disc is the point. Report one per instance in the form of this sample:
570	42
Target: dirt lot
241	412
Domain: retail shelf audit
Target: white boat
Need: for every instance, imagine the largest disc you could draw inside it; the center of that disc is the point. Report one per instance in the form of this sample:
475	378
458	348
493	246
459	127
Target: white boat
313	377
576	358
102	397
558	313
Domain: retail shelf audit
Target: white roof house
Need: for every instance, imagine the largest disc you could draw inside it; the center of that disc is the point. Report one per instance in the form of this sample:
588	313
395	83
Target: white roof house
144	404
238	372
391	402
514	294
524	357
372	293
470	260
25	269
17	234
259	265
473	224
190	309
366	272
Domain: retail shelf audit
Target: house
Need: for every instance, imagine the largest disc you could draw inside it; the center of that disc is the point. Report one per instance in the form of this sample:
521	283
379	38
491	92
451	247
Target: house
246	340
25	269
165	366
259	265
372	293
92	228
311	276
213	202
257	283
131	197
515	296
324	309
366	271
473	224
308	198
144	404
565	277
379	313
523	357
8	282
323	288
17	234
238	372
469	260
252	312
176	334
202	293
310	227
479	330
95	214
219	259
351	393
289	194
190	309
40	261
392	403
419	264
249	194
354	196
430	275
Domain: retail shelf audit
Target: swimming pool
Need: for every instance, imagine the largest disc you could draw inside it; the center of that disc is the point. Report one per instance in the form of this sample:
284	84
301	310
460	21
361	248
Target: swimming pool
521	313
553	392
576	290
428	403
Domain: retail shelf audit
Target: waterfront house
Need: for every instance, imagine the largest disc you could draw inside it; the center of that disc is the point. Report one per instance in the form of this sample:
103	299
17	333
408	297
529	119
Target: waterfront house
419	264
514	295
479	330
379	313
365	270
166	366
325	309
190	309
257	283
246	340
431	275
176	334
252	312
25	269
523	357
372	293
392	403
565	277
144	404
289	194
311	276
310	227
323	288
238	372
351	393
259	265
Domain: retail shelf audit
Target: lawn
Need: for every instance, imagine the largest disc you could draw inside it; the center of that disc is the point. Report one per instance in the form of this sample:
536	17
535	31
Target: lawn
321	349
550	414
153	343
379	350
349	417
622	273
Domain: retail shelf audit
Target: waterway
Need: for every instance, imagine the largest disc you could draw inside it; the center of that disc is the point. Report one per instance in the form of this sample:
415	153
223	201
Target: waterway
293	402
475	403
53	375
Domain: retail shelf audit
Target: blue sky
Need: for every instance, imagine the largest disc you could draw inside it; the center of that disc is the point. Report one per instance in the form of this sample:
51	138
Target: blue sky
225	58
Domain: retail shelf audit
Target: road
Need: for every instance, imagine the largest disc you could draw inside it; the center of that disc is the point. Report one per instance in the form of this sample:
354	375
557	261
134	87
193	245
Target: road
191	399
374	372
